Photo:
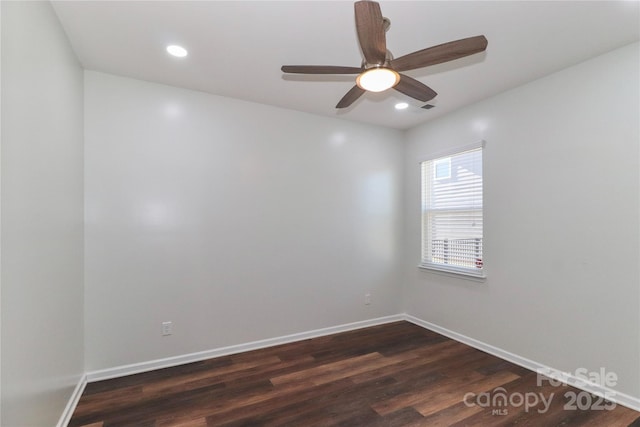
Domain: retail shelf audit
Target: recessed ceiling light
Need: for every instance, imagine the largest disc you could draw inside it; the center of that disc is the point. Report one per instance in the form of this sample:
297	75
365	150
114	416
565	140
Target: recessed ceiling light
402	106
177	51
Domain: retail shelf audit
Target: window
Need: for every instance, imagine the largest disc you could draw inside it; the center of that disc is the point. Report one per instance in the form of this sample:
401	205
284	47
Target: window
442	168
452	213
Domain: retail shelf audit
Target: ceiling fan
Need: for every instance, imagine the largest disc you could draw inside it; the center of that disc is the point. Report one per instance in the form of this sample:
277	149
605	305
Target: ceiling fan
379	70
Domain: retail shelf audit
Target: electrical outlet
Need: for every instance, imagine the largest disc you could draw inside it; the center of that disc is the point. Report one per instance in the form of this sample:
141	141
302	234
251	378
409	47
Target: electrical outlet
167	328
367	299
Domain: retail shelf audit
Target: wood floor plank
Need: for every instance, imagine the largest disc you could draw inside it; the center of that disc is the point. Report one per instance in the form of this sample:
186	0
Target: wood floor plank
397	374
452	396
315	375
405	417
294	396
110	400
209	377
416	394
155	375
183	422
419	361
452	414
339	406
620	417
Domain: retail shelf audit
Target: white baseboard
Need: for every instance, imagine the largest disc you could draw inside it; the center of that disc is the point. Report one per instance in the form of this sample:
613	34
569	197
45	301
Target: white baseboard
612	395
168	362
73	402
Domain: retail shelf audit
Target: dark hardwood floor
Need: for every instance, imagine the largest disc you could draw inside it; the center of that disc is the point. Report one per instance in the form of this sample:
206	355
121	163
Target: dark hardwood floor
397	374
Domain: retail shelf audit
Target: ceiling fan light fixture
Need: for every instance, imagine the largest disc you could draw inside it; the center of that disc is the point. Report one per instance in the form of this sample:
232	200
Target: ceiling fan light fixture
177	51
378	79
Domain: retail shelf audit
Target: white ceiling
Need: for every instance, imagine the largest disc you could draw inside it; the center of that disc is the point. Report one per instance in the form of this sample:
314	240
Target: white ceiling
236	48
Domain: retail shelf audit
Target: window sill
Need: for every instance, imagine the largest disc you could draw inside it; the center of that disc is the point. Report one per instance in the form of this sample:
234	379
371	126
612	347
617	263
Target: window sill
454	272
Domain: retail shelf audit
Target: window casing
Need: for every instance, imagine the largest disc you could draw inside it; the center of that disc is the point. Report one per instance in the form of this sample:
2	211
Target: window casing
452	214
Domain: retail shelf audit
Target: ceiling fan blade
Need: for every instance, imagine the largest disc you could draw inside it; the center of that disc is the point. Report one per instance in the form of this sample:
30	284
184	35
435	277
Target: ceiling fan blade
441	53
320	69
415	89
370	28
350	97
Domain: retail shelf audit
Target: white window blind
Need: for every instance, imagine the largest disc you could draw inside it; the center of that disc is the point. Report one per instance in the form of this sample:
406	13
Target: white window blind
452	213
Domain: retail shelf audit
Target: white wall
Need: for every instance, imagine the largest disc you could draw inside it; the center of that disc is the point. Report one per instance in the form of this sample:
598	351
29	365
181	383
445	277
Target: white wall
561	220
235	221
42	214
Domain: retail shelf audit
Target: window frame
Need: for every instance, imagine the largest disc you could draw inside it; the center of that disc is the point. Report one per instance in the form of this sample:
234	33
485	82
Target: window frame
449	270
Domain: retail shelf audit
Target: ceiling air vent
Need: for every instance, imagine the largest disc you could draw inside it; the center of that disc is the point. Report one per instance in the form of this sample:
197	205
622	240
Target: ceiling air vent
428	106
